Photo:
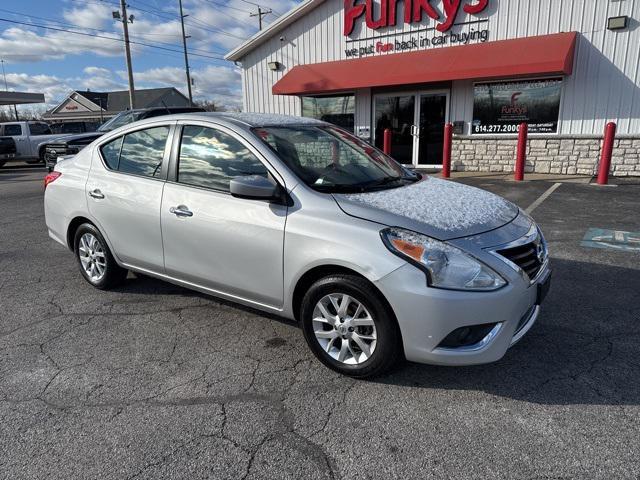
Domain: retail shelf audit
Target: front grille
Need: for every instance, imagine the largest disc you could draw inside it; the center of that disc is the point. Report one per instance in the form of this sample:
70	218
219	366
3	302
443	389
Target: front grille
526	257
53	151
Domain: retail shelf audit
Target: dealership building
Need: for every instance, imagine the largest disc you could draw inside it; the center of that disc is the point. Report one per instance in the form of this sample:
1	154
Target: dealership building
565	67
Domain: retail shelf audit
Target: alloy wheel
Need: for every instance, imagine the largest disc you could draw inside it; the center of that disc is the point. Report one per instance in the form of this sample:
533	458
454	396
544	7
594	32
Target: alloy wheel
92	257
344	328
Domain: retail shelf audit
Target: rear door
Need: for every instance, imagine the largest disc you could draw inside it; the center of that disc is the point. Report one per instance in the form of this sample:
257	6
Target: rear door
212	239
124	193
16	131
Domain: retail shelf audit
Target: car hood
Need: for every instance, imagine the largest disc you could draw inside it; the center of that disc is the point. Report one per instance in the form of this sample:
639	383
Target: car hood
87	137
438	208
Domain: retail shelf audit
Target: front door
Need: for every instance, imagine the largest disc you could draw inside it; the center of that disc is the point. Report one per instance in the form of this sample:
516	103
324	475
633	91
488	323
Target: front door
417	121
231	245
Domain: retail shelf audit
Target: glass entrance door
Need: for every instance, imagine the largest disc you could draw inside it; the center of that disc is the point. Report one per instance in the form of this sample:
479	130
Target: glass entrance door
396	112
431	121
416	120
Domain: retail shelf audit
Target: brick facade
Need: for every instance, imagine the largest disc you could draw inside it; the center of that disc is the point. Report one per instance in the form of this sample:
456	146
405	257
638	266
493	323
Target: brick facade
558	154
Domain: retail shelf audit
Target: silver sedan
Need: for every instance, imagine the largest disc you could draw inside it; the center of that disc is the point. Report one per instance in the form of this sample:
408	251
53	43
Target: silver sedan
301	218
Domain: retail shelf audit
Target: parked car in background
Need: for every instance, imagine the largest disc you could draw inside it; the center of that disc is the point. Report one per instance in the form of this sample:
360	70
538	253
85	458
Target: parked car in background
28	137
297	217
72	144
65	128
7	149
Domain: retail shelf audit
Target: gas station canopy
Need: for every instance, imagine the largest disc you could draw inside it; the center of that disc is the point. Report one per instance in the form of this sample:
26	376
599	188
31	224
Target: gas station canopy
19	98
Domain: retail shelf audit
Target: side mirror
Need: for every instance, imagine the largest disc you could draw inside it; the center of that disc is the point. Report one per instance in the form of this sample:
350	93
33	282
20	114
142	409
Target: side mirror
254	187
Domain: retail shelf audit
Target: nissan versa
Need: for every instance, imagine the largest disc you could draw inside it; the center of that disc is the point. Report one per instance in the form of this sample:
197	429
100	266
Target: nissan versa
298	217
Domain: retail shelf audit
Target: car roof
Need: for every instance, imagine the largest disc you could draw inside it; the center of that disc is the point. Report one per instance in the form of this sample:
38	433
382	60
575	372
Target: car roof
243	119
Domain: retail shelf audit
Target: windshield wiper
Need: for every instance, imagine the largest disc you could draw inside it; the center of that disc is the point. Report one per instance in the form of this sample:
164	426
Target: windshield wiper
380	182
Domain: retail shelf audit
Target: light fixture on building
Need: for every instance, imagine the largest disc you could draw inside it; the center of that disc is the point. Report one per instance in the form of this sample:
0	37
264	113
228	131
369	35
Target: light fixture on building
617	23
274	66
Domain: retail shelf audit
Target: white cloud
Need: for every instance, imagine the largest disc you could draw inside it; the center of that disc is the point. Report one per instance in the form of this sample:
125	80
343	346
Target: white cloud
217	83
21	45
97	71
212	83
90	15
214	28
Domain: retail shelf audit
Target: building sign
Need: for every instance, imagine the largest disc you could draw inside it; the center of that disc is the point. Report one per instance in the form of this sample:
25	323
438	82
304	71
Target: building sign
499	107
414	10
415	42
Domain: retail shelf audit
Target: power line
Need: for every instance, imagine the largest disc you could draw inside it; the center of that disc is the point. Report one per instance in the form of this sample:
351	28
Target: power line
206	27
141	35
228	6
261	13
103	37
258	5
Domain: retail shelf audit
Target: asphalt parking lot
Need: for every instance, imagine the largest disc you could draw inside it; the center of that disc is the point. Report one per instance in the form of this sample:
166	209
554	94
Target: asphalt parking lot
155	381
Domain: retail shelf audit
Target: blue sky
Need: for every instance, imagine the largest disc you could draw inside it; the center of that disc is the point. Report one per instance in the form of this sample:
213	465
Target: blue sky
56	62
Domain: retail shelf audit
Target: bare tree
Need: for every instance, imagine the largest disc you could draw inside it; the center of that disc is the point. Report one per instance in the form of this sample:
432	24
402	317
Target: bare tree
209	106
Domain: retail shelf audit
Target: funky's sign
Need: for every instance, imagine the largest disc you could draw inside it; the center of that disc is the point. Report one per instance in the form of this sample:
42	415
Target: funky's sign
413	12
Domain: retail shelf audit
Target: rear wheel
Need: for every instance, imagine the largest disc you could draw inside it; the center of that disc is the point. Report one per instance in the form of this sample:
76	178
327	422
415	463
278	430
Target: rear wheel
97	265
349	328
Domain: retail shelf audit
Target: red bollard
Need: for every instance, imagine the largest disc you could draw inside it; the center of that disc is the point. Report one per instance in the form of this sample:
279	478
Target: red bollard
387	141
605	155
522	152
446	151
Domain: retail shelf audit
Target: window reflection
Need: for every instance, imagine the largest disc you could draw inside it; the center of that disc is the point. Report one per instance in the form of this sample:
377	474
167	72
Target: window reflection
210	158
143	151
111	153
339	110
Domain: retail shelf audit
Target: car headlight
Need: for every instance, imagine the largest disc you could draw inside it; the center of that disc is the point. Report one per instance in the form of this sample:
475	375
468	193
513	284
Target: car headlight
446	266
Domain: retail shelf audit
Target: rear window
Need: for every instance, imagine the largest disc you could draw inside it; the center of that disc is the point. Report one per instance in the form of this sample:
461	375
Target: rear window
138	153
68	128
39	129
13	130
111	152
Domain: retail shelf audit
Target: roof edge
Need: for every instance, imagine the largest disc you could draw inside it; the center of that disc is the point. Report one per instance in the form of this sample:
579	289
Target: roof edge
279	24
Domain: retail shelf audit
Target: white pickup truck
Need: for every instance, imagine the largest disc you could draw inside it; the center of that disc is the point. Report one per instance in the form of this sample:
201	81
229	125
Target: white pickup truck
28	137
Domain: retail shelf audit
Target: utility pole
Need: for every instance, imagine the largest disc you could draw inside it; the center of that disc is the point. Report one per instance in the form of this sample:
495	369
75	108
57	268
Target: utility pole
127	49
186	56
261	13
6	89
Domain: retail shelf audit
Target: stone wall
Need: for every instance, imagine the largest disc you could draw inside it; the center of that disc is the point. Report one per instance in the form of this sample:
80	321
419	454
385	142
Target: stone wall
558	154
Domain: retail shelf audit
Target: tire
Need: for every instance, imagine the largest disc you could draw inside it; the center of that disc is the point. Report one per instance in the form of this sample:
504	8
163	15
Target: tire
106	273
373	319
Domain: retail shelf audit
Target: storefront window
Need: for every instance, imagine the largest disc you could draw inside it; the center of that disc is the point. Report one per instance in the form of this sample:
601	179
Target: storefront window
498	108
337	110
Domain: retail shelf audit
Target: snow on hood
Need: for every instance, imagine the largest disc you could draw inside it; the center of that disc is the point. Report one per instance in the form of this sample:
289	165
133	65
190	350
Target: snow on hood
440	208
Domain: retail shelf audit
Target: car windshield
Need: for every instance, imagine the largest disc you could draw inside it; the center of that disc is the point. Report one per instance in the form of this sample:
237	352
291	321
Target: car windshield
331	160
123	118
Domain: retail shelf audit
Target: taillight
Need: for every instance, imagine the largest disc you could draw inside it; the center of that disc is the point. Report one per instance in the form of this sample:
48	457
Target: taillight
51	177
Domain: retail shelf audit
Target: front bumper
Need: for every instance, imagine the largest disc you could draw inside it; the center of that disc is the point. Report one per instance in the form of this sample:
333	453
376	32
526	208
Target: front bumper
54	152
426	316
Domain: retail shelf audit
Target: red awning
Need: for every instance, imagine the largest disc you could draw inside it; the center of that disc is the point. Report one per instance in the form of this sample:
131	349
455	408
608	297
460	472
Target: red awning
542	55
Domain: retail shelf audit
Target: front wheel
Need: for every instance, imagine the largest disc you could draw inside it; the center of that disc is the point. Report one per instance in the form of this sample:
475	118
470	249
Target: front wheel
349	328
97	265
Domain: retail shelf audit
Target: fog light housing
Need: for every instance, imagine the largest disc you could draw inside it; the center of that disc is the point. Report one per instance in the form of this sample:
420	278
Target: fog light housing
468	336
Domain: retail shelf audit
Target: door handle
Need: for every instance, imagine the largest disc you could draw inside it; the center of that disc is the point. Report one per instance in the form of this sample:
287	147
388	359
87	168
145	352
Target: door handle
96	193
181	211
